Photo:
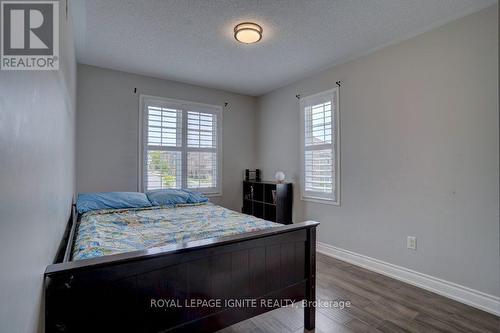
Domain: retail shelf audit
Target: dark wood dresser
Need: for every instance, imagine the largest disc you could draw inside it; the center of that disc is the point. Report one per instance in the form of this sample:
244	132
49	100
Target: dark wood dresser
268	200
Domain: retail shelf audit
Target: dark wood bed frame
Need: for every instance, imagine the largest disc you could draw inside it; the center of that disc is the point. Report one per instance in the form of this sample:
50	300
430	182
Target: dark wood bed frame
152	290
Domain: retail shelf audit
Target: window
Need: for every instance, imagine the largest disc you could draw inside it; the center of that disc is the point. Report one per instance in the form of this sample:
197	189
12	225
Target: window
180	145
320	147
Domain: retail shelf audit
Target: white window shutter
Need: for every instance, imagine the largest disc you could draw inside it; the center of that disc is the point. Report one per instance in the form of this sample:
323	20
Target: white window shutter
202	150
320	147
181	145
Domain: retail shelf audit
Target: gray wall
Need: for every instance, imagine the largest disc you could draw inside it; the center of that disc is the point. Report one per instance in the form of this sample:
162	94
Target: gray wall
108	123
37	138
419	147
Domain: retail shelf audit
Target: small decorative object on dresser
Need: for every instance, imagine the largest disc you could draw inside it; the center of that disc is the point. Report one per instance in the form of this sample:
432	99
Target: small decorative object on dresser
268	200
279	176
252	175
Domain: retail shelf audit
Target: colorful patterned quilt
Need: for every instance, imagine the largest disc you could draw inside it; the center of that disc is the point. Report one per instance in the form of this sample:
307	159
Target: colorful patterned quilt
112	231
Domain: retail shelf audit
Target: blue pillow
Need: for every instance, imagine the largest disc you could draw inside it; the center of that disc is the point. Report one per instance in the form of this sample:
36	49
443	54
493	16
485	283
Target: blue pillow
167	197
111	200
196	197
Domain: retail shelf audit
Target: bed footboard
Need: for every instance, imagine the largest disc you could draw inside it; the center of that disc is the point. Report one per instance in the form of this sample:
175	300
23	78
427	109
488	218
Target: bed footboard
201	286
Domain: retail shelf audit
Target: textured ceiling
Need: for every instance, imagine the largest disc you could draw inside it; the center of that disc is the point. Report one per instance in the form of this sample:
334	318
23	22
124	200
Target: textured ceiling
191	40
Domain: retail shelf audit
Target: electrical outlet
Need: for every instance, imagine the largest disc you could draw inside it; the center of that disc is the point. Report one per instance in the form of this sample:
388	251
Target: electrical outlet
411	242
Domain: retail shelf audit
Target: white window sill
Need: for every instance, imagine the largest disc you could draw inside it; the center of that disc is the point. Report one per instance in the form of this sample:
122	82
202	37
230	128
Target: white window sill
321	201
212	194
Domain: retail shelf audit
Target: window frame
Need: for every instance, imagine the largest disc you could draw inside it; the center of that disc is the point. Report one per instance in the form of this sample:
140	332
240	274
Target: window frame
335	145
184	106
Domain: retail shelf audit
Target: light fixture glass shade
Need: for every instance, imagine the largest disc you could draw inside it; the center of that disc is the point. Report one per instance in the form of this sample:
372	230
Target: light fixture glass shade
248	32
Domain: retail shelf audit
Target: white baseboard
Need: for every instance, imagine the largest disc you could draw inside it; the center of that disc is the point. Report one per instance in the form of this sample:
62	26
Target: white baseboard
442	287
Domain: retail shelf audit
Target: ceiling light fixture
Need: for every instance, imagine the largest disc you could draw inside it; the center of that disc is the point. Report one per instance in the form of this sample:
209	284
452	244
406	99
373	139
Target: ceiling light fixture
248	32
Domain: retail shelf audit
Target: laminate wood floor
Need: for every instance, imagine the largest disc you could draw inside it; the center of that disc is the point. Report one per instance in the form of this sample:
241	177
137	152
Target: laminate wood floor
378	304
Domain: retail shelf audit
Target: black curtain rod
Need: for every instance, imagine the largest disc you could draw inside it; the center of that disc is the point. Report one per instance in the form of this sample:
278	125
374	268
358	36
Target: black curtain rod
338	83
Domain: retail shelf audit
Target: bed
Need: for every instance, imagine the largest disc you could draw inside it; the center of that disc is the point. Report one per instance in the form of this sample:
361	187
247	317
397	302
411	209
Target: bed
181	268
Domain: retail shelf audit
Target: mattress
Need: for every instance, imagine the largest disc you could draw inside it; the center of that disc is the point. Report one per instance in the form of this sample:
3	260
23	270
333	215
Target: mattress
105	232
